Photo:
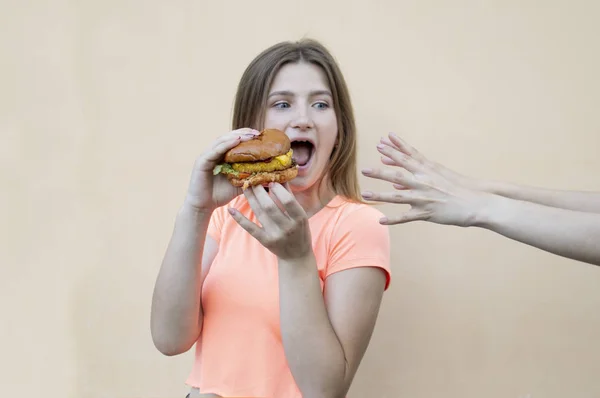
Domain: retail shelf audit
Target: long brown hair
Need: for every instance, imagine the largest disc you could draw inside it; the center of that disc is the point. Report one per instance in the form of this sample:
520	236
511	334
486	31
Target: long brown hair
251	99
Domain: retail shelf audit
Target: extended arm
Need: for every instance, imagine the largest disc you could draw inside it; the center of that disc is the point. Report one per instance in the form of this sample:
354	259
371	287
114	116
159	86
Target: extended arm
176	315
563	232
437	195
572	200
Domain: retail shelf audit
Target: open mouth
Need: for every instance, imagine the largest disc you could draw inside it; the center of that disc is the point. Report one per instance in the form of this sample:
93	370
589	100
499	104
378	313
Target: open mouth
303	151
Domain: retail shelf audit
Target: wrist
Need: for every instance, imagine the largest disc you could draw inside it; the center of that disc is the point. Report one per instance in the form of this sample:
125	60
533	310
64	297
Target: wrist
486	213
484	186
191	212
493	187
302	263
190	207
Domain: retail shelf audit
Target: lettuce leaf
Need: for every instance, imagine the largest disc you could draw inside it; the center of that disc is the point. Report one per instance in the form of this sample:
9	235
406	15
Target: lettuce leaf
224	168
217	169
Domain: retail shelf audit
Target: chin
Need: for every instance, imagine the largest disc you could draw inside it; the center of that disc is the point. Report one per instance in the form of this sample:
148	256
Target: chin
299	184
309	179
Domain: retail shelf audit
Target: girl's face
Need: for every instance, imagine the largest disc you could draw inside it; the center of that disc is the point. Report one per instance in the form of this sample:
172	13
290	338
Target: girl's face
301	105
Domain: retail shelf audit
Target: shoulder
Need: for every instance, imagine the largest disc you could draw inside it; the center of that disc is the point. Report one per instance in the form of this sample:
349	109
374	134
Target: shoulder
353	215
362	210
358	224
358	239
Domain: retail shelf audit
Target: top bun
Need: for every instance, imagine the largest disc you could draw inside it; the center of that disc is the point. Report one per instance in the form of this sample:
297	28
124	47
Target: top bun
270	143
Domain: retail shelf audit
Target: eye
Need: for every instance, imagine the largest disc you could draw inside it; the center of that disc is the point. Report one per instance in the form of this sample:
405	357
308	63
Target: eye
321	105
281	105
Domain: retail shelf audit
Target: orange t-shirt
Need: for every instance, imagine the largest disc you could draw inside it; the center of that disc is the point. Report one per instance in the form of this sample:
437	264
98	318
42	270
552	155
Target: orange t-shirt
240	350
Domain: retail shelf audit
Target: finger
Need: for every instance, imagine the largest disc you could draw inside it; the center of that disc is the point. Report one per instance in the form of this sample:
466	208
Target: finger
396	176
388	161
270	202
248	225
400	197
266	210
244	134
227	142
401	159
406	148
246	137
412	215
289	202
402	145
275	199
246	131
388	142
254	205
215	154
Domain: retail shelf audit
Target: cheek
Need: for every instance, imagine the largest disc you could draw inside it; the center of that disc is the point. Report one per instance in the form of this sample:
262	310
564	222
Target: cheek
276	120
328	130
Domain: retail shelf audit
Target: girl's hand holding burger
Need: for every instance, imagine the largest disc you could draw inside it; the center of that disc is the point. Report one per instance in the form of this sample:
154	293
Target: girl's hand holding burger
207	191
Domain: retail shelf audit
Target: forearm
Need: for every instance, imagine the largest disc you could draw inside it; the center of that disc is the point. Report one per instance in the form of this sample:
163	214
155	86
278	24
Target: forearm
313	351
566	233
176	316
572	200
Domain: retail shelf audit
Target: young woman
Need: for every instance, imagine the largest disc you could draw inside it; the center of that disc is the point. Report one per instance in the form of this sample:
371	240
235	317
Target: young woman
564	223
280	289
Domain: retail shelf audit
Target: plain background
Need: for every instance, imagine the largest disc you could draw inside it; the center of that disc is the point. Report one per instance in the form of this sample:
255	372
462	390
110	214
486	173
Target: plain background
104	106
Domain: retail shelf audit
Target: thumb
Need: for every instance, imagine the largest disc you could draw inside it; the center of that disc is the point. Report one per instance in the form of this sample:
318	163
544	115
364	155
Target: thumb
409	216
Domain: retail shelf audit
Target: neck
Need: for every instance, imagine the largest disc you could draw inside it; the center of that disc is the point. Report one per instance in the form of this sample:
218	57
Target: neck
315	198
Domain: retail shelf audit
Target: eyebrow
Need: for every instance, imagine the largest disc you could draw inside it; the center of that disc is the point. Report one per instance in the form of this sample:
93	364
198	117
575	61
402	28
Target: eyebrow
312	93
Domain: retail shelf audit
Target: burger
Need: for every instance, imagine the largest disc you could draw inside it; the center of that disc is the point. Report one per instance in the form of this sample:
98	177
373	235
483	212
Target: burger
263	159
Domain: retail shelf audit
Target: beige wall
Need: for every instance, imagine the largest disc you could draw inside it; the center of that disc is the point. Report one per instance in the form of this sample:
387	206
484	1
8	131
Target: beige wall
105	104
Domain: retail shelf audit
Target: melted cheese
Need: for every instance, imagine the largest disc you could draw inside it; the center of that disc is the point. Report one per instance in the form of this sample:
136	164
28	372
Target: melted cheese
285	159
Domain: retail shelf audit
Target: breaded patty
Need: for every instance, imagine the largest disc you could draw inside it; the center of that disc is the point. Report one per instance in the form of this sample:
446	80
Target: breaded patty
278	163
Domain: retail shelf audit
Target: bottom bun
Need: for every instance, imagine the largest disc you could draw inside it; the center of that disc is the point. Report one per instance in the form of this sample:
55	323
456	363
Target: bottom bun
280	177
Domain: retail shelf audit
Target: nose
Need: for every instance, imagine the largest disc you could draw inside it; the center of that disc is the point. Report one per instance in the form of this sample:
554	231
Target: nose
302	119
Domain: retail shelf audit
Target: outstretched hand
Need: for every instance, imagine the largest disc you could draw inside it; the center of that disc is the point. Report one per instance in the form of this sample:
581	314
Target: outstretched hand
284	226
435	193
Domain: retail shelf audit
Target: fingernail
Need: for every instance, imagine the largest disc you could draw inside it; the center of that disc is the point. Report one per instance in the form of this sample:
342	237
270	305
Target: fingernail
367	171
231	210
393	134
380	146
367	194
383	220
